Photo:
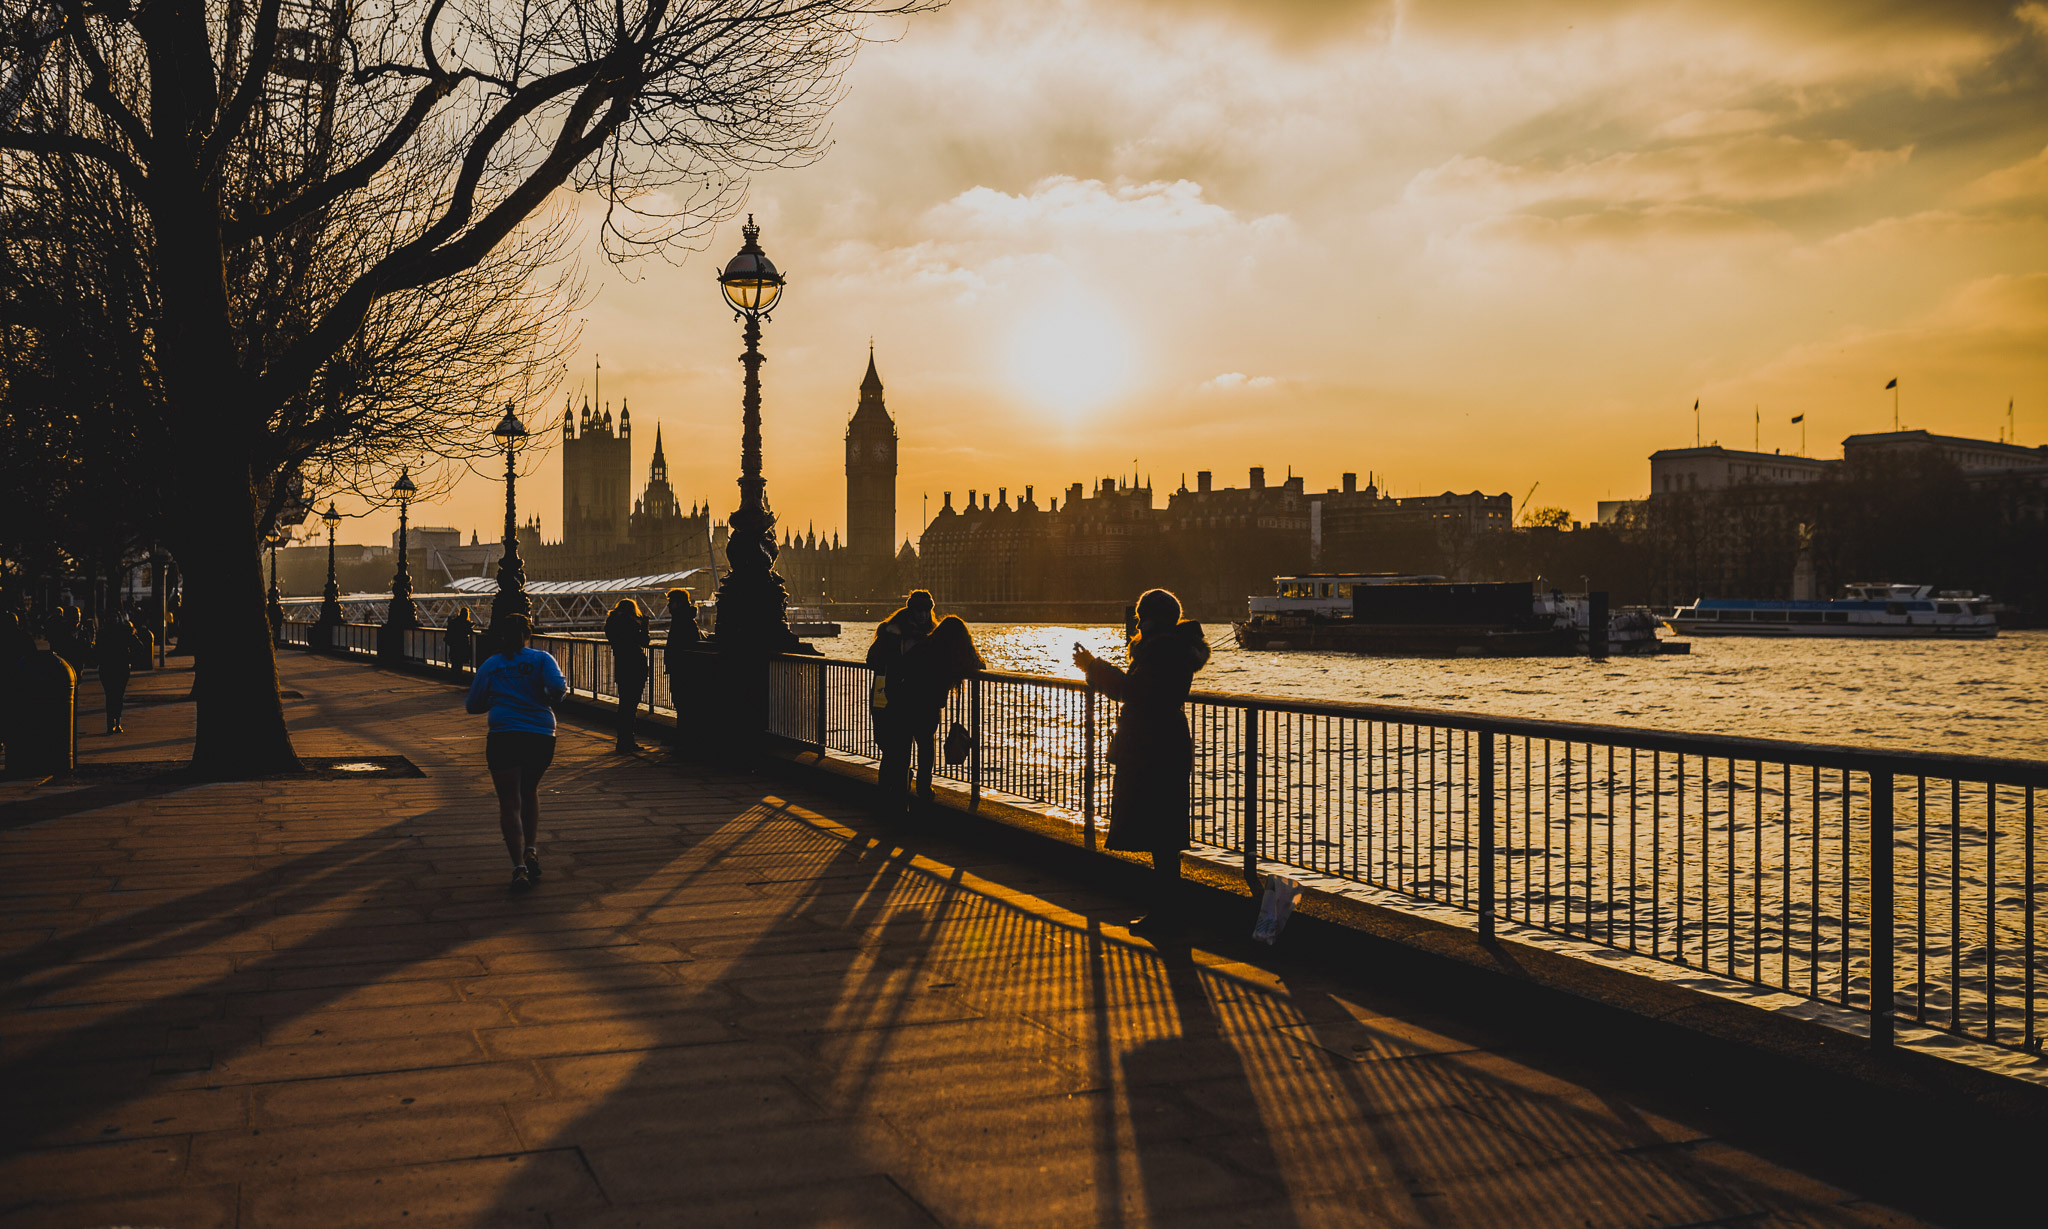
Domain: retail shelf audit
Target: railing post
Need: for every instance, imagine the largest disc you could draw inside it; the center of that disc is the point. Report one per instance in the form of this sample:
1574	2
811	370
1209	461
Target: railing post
974	744
1882	917
823	674
1251	797
1486	838
1088	765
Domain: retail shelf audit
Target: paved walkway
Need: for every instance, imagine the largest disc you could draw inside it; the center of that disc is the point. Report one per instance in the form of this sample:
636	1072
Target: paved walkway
311	1002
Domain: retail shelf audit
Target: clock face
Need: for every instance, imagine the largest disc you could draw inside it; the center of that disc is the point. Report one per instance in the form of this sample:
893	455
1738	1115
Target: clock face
882	452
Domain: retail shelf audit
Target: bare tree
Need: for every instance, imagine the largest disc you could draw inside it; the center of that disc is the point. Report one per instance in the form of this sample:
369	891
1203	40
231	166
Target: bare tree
313	172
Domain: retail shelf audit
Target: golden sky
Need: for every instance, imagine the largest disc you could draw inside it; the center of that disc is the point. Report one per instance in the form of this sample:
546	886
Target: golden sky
1459	245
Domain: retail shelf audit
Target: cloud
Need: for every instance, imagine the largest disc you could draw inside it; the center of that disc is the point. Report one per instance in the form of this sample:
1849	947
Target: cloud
1748	169
1063	204
2034	15
1236	382
2022	181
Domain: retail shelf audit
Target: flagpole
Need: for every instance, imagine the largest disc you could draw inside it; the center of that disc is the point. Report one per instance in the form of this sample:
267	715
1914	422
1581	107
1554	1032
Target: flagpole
1895	405
1756	435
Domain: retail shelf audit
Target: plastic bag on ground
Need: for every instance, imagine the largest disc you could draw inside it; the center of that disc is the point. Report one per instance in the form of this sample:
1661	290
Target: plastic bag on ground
1276	907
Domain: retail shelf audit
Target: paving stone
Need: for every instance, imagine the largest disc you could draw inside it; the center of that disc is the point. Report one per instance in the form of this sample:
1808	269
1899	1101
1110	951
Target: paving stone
424	1091
117	1167
869	1202
601	1036
212	1207
513	1190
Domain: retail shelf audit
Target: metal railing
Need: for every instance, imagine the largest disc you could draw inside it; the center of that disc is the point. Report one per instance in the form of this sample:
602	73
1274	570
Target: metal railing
1899	885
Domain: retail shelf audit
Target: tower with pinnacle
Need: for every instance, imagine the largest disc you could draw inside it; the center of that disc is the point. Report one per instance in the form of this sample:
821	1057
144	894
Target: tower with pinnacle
597	476
870	491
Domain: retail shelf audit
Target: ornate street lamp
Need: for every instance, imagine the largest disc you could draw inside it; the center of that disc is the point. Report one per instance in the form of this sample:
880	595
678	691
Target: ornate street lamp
752	602
403	612
275	540
511	598
330	597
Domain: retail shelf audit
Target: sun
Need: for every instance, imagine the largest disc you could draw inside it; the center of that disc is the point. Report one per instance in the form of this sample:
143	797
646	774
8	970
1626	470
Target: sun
1071	358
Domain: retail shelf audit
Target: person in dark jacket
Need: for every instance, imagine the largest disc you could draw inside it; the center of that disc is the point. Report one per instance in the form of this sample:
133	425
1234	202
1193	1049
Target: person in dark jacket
625	628
684	638
461	639
918	660
1153	752
116	649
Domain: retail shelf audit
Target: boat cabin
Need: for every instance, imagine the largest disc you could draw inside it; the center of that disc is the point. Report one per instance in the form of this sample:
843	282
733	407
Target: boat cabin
1324	593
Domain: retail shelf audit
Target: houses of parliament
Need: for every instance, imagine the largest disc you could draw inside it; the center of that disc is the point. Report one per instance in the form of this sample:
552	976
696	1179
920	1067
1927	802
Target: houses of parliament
607	534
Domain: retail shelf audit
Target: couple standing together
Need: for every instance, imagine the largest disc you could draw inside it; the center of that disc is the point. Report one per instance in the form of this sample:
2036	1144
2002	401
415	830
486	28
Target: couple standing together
919	659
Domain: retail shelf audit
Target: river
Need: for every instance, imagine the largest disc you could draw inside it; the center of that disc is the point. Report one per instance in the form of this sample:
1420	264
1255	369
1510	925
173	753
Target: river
1981	697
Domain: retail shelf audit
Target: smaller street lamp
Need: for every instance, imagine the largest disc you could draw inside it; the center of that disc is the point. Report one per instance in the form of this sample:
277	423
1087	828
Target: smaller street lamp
511	598
330	597
404	613
275	540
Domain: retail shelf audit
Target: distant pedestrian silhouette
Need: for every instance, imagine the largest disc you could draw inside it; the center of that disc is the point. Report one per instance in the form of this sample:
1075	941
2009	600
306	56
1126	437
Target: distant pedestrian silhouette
460	638
519	687
1152	749
918	660
116	652
683	639
626	630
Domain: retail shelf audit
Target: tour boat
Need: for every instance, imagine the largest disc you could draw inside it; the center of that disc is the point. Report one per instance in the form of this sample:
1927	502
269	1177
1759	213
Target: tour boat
1400	614
1882	610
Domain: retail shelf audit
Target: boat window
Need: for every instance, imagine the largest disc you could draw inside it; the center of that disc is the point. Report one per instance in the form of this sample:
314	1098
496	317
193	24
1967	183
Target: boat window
1769	616
1297	588
1805	616
1835	616
1895	608
1948	608
1976	608
1735	616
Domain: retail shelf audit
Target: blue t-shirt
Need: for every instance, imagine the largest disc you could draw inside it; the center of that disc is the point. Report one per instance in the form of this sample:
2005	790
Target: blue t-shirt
518	691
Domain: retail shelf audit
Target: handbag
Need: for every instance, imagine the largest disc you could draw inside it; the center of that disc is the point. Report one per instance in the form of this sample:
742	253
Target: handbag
958	743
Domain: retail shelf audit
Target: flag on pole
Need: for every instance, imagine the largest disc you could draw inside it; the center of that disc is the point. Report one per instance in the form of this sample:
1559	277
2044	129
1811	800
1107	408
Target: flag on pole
1797	418
1695	403
1894	382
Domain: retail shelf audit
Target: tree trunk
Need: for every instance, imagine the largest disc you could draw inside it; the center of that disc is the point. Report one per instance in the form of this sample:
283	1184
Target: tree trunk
241	726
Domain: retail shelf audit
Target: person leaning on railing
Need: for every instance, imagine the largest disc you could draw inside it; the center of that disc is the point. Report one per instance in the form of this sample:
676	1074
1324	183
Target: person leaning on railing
683	638
460	637
1152	749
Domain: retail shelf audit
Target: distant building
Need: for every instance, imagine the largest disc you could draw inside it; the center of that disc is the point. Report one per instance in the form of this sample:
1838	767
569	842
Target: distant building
606	533
1713	468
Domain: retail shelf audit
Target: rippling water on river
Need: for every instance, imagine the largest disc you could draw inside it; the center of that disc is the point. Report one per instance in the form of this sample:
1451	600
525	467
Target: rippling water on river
1985	697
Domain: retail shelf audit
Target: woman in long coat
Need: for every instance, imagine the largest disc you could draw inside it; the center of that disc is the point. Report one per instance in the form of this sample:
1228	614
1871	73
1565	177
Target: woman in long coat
1152	749
626	628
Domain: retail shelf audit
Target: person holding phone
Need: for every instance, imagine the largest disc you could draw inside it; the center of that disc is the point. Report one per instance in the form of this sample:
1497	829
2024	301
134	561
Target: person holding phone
1152	749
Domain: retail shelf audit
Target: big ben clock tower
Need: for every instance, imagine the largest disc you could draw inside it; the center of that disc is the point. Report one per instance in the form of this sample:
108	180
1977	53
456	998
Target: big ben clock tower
871	490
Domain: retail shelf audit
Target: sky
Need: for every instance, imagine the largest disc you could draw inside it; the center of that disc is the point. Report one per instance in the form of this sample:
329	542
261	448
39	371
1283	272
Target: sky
1496	246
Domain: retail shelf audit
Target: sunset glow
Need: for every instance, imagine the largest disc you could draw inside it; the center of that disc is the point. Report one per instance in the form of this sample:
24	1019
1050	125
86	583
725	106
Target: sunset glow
1459	247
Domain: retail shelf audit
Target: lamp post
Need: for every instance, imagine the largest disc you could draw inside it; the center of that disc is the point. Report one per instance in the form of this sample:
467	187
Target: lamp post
511	597
404	613
330	597
275	540
752	601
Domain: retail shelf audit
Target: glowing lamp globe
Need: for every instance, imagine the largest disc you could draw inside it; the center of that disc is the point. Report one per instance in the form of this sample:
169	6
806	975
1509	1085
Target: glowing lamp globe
750	280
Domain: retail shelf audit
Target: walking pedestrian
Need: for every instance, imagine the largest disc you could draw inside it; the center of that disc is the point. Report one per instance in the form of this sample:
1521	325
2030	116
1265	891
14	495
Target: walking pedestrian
116	649
625	628
460	637
1152	749
519	687
684	638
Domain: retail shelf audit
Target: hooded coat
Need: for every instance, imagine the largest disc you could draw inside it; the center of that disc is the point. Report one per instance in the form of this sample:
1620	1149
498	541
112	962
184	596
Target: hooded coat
1152	749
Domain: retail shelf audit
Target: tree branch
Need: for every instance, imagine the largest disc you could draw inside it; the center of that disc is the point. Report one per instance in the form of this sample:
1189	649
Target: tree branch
229	123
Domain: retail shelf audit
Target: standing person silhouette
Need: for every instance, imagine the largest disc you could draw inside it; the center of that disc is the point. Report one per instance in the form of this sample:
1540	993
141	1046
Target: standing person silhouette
519	687
897	699
626	630
1152	749
460	637
117	647
683	638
